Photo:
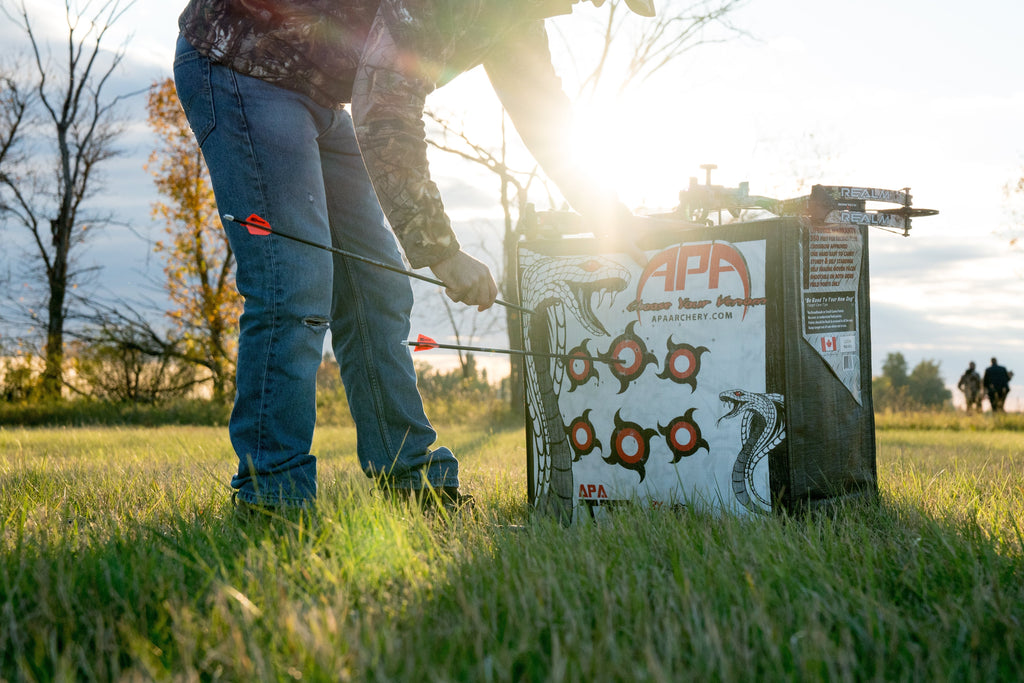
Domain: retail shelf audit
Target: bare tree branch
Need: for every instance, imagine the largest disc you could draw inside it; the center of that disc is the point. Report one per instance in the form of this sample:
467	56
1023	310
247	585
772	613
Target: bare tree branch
83	127
14	115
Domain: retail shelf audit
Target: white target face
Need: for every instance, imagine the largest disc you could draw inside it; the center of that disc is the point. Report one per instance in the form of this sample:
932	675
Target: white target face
639	401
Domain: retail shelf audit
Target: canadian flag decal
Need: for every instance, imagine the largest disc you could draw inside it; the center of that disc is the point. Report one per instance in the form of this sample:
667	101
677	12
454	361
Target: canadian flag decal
828	344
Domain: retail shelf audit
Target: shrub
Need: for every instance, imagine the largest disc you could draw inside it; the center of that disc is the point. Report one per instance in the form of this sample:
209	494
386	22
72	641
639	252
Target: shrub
90	412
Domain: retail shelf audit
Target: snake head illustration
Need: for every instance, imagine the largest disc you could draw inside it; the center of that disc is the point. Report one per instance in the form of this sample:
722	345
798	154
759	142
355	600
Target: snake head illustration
736	401
579	283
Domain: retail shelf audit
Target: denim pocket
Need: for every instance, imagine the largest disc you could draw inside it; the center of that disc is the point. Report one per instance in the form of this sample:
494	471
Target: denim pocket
192	81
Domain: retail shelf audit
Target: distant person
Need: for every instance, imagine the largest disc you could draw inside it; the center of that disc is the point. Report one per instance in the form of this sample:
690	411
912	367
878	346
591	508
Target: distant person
997	385
970	384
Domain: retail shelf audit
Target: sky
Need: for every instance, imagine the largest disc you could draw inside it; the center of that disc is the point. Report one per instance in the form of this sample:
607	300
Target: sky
926	95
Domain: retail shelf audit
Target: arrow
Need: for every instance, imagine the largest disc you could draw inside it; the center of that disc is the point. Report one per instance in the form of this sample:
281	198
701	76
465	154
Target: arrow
425	343
259	226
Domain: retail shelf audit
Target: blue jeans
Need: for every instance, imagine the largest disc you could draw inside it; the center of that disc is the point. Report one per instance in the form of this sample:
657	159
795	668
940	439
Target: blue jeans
278	154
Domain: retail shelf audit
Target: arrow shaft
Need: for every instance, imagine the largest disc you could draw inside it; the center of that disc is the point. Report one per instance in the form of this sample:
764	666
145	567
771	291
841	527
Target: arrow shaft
511	352
360	258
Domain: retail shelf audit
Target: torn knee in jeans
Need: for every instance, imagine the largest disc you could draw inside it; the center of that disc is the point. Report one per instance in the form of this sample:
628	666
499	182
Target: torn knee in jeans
316	322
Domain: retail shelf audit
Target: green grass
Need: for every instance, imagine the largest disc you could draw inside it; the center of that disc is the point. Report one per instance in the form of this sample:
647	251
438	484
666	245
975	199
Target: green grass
123	560
953	420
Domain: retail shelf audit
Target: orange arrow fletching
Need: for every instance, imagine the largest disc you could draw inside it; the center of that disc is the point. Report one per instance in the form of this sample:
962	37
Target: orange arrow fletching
255	222
423	343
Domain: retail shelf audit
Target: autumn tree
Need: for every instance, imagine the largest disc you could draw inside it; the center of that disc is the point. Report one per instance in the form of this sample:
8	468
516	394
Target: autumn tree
199	263
45	184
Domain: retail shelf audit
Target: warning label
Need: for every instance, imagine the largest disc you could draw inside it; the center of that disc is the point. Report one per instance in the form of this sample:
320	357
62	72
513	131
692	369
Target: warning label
827	313
831	267
833	259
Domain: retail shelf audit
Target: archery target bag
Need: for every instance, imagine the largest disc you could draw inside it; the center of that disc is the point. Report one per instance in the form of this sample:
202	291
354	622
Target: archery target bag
730	372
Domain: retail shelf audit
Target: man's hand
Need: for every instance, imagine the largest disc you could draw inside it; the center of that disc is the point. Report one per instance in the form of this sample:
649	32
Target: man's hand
467	280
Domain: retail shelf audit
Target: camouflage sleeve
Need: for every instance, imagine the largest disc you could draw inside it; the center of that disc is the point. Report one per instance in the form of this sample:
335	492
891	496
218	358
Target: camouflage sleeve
531	92
388	98
525	81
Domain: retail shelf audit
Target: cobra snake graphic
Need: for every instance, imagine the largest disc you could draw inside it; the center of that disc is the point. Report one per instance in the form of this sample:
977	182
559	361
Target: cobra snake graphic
762	429
554	288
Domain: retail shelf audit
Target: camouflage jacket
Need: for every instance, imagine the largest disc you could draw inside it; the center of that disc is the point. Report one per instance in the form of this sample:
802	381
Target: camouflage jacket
970	382
384	57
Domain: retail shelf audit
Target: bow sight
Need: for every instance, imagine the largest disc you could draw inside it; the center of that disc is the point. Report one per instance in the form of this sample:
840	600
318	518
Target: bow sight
826	204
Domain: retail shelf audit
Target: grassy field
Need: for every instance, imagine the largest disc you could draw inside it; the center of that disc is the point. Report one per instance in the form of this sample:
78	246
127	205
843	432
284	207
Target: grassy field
123	560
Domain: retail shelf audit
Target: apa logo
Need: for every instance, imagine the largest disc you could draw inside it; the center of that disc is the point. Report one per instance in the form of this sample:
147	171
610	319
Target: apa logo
593	491
701	265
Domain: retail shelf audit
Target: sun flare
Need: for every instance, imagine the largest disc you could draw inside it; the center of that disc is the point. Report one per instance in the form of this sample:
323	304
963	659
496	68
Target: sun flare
638	147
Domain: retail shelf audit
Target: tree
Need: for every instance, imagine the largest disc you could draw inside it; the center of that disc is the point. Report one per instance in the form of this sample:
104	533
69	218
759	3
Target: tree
467	361
199	262
630	51
14	111
925	386
118	366
895	370
889	390
14	119
514	188
70	101
119	354
921	388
